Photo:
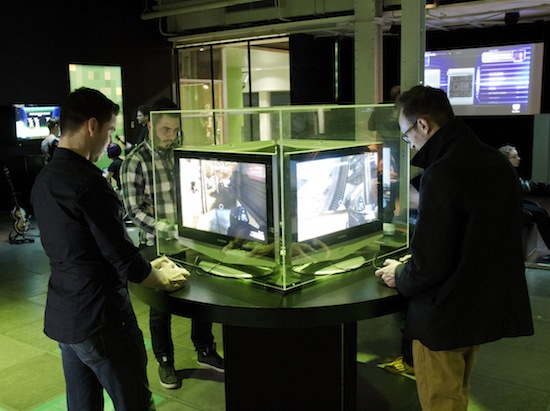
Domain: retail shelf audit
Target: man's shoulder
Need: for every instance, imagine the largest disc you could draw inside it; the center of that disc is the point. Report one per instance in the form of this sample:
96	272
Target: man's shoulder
140	154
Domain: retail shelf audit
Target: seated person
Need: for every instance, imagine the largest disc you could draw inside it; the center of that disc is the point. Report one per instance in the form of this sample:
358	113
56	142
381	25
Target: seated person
538	214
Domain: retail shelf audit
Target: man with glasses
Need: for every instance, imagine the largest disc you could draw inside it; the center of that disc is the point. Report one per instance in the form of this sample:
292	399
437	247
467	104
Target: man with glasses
465	279
405	136
140	199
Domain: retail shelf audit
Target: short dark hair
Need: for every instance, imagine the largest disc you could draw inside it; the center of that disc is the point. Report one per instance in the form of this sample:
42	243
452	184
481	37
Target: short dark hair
144	110
52	122
84	104
165	104
113	151
428	102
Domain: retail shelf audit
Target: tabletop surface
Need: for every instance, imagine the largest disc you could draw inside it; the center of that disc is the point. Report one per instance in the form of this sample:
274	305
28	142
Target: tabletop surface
330	300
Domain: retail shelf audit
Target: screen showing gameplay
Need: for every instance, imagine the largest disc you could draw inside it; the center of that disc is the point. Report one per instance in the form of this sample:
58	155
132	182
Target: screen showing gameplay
32	121
335	193
491	80
224	197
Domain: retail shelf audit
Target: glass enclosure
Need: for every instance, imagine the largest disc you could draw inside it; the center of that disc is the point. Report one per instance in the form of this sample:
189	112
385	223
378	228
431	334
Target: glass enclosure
293	195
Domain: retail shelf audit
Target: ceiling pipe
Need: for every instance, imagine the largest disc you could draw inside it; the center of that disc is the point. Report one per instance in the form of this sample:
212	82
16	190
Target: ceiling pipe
173	9
279	29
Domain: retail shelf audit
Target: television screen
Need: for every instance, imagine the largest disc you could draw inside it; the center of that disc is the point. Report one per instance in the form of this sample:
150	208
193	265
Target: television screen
224	197
501	80
336	193
31	121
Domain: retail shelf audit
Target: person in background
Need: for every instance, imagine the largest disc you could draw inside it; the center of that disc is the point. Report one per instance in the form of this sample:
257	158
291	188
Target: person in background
142	118
384	122
138	193
465	279
113	171
49	144
538	214
88	308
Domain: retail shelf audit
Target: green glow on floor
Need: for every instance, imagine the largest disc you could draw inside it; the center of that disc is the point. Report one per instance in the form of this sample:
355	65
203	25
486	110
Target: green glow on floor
59	404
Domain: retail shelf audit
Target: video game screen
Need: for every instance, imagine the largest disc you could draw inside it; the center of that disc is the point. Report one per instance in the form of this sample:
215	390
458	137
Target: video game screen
31	122
223	194
496	80
334	192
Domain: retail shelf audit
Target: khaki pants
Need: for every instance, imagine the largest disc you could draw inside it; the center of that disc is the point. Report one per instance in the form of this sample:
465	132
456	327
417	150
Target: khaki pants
443	377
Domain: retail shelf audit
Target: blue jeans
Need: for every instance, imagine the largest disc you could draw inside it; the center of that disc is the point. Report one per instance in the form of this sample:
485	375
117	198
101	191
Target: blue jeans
113	359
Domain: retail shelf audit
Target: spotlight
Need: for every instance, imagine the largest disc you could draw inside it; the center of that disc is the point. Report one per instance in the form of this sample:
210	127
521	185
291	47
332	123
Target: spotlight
511	18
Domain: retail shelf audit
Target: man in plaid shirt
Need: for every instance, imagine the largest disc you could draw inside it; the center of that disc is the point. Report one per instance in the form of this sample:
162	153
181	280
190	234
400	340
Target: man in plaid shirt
139	198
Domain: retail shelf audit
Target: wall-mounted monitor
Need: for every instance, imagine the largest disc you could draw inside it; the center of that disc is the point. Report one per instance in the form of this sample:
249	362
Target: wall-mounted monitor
500	80
31	121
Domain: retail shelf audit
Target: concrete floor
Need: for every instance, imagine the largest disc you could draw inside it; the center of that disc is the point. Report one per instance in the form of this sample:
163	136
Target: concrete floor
511	374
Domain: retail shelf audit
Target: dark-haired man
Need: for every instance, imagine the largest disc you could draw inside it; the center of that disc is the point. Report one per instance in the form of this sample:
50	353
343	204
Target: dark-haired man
88	309
465	280
140	199
142	118
49	144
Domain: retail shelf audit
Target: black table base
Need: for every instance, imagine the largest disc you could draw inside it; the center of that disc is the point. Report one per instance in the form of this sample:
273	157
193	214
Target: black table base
290	368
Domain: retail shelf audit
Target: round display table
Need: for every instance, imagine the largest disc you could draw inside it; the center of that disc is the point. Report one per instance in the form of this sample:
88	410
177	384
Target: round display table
284	351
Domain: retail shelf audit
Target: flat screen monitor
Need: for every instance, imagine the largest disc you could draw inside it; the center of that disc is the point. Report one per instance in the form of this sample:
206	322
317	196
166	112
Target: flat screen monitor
225	198
31	121
500	80
337	195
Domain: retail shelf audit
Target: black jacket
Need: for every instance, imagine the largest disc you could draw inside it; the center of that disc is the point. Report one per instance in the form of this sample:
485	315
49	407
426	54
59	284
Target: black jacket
466	278
91	255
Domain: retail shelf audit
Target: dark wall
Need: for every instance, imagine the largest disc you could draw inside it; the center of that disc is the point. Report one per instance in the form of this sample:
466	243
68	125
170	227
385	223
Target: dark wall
311	70
312	62
502	130
40	39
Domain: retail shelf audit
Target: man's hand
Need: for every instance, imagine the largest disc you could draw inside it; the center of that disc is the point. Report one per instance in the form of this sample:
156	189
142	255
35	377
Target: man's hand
405	258
165	275
387	273
166	229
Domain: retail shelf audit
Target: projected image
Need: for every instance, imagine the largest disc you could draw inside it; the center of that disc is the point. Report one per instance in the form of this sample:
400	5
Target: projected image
336	193
32	121
483	81
224	197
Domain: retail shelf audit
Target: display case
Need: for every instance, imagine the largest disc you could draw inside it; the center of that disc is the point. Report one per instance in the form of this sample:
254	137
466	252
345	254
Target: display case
290	196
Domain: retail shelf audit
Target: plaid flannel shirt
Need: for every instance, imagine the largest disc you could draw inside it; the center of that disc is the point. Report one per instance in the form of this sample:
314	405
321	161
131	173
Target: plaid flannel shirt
141	197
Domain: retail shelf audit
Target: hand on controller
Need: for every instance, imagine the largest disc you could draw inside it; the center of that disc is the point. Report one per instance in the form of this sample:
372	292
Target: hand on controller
166	229
172	276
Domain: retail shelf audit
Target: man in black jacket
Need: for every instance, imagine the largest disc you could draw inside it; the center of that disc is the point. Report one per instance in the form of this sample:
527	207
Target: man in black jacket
465	279
88	308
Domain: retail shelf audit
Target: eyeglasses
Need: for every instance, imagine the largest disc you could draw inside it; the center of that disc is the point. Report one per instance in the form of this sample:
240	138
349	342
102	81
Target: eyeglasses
404	136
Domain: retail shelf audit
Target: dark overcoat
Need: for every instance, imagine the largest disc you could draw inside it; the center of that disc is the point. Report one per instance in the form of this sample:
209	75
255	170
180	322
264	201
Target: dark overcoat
465	280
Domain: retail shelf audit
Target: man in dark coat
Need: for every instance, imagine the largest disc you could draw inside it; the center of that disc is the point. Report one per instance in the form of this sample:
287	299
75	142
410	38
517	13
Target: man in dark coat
465	279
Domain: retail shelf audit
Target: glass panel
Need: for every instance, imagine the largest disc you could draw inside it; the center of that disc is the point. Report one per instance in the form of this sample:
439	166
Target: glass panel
320	196
201	88
237	75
